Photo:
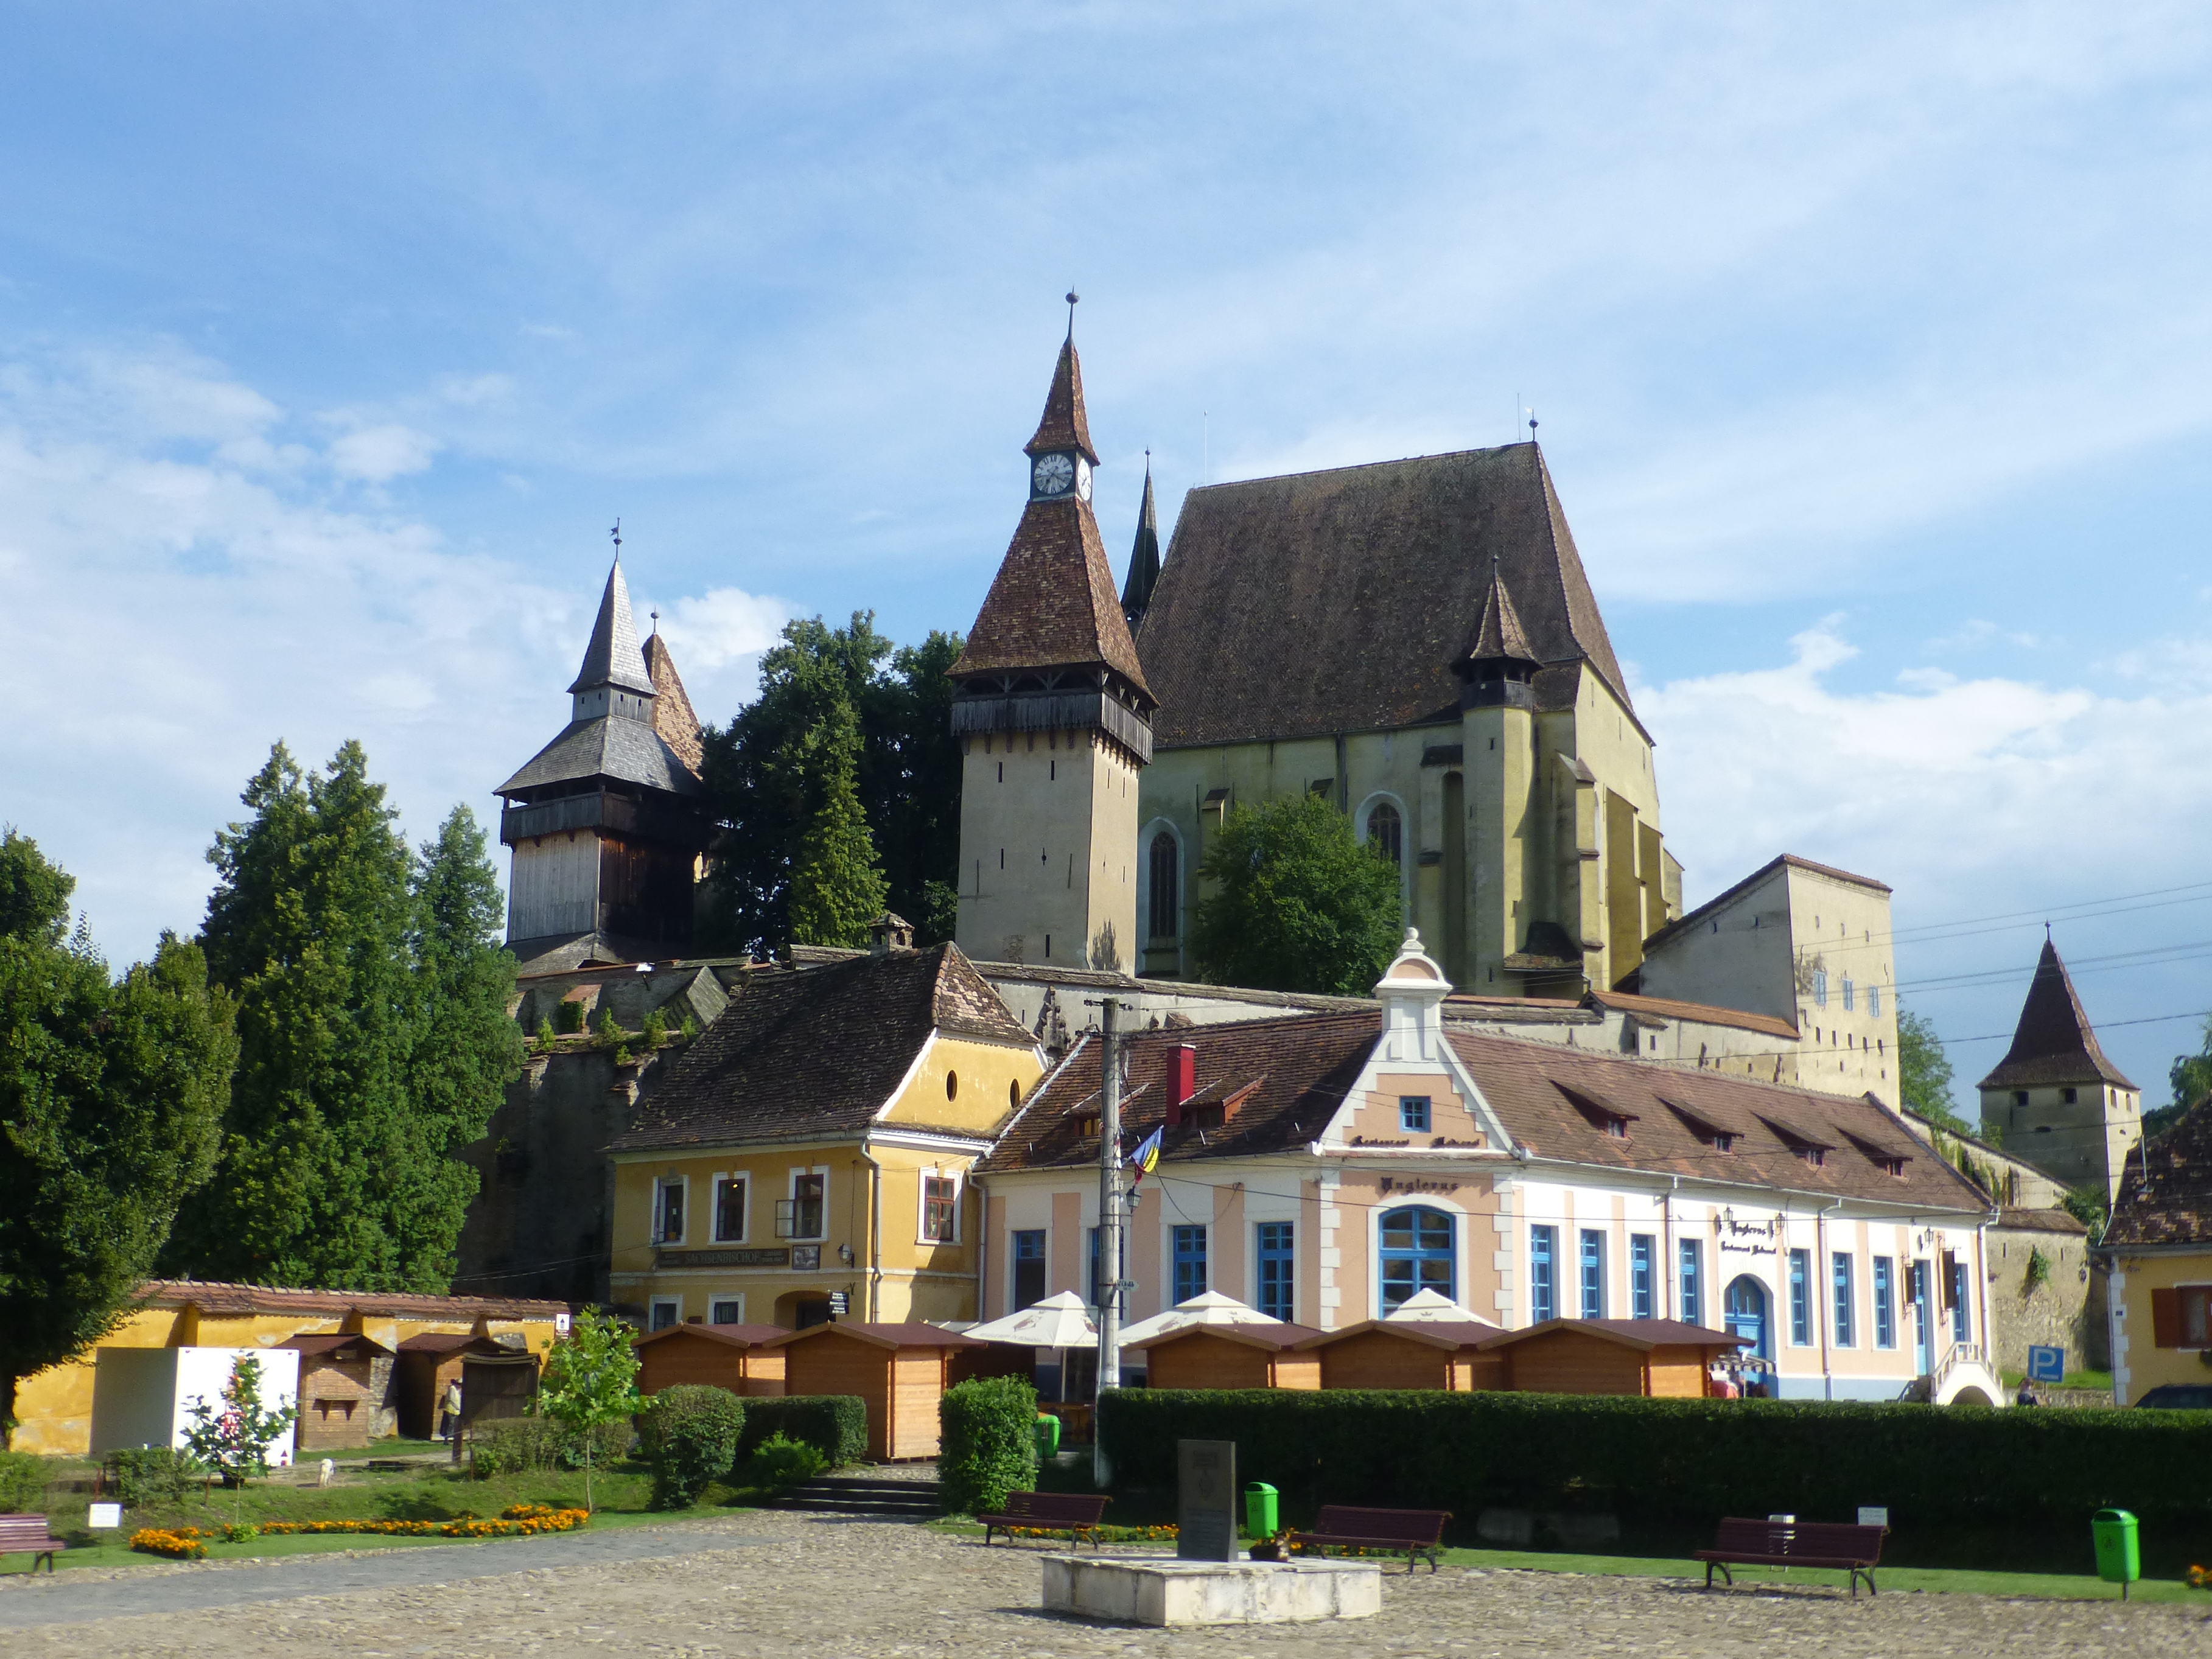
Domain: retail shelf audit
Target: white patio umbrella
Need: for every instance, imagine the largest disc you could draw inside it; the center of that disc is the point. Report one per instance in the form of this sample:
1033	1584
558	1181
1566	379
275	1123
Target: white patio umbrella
1058	1321
1209	1308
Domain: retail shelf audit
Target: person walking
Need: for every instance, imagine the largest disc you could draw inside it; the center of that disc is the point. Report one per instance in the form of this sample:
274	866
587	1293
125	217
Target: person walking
449	1411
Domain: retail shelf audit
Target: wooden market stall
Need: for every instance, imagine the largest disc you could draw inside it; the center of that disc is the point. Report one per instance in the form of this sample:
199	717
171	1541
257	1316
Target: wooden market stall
1238	1356
1661	1358
344	1380
427	1363
1396	1353
900	1370
732	1357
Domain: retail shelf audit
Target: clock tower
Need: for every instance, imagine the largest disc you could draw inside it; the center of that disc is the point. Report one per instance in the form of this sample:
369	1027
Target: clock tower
1054	722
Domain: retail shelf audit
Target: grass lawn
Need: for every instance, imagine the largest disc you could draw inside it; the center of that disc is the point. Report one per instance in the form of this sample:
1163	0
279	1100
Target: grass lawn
619	1494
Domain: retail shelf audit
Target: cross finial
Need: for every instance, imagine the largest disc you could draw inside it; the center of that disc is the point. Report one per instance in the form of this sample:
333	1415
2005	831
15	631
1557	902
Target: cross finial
616	533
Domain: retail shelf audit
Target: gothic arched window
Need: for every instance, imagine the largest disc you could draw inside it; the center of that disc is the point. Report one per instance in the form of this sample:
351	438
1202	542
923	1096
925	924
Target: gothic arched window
1164	918
1386	832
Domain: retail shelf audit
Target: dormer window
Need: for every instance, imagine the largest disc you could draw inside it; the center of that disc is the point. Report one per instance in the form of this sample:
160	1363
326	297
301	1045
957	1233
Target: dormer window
1721	1141
1607	1119
1815	1156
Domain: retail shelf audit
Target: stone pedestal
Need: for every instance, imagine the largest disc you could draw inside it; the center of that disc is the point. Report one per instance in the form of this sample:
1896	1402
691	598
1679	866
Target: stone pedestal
1141	1591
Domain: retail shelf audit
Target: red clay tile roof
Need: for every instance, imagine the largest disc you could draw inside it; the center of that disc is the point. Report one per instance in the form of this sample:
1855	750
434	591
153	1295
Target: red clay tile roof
904	1333
818	1051
1273	1334
1064	425
2054	1041
329	1341
1434	1332
1342	601
1788	860
735	1336
1052	604
2165	1190
1698	1013
2041	1221
216	1297
1628	1333
672	715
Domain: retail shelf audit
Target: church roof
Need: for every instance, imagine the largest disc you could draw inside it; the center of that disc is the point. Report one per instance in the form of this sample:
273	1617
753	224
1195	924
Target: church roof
818	1050
672	715
610	746
2164	1195
1499	636
1064	425
612	657
1342	600
2054	1041
1143	557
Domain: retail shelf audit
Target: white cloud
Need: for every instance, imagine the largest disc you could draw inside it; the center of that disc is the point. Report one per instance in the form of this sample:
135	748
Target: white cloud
722	627
377	454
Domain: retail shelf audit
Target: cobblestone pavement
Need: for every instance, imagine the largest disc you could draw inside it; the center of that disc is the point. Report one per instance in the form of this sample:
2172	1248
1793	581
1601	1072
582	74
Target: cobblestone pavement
807	1585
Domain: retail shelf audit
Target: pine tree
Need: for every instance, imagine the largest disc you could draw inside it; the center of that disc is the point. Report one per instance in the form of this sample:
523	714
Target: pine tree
110	1101
837	886
1299	903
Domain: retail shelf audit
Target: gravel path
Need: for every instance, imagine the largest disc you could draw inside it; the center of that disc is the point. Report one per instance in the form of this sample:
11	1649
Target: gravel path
776	1585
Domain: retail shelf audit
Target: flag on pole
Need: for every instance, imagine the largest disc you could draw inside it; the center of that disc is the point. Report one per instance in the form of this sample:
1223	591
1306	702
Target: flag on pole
1146	1157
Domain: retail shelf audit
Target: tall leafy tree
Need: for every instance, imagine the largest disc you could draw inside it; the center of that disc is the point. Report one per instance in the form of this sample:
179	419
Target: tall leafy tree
369	1055
110	1102
1298	903
910	782
837	885
1924	1072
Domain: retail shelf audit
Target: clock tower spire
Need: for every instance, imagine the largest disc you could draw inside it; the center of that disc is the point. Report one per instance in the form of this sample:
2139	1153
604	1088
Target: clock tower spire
1055	721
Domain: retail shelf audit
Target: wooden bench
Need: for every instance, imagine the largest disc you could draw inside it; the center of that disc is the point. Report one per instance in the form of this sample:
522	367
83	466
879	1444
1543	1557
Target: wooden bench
20	1532
1074	1513
1833	1544
1340	1526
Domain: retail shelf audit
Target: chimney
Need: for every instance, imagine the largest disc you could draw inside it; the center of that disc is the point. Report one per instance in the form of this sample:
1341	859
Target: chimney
1182	1079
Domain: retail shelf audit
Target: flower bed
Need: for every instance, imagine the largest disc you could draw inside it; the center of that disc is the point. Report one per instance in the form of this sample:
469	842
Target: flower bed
521	1520
1104	1534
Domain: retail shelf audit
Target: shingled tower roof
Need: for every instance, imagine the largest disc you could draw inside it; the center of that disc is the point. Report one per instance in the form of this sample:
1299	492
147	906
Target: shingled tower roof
2054	1042
673	717
1052	604
613	657
1143	557
1344	601
1499	638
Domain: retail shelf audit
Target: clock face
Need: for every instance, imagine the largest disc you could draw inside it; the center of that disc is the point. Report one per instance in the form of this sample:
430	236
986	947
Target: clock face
1083	478
1053	474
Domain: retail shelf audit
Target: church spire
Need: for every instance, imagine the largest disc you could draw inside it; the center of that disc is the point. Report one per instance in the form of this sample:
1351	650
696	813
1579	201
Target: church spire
612	658
1143	557
2054	1041
1064	425
1500	640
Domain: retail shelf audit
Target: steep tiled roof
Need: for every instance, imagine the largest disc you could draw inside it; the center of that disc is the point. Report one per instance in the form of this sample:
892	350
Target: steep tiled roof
216	1296
1527	1083
1052	604
673	717
1064	425
817	1050
1143	557
1342	601
1303	1065
612	657
1788	860
2165	1191
1499	637
2053	1042
610	746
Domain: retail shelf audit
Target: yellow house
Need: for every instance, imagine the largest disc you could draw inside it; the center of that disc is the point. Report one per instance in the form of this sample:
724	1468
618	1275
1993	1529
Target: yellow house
2160	1245
816	1144
54	1408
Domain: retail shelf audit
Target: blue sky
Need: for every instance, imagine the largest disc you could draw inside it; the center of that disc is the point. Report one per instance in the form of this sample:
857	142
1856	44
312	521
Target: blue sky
1871	350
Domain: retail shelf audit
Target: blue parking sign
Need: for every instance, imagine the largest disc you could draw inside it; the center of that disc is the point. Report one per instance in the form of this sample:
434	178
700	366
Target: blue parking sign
2046	1365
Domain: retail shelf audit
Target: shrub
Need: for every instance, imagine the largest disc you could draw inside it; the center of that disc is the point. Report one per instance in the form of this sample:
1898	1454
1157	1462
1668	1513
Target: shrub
779	1462
989	1436
606	1034
689	1436
543	1043
835	1424
22	1482
537	1445
570	1015
1674	1459
149	1475
656	1028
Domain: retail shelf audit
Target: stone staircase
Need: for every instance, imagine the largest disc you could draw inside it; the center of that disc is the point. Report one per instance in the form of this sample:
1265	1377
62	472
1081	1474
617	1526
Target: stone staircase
885	1499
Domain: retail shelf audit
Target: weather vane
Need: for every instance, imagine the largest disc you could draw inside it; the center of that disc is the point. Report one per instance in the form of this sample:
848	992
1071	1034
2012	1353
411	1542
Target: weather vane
616	533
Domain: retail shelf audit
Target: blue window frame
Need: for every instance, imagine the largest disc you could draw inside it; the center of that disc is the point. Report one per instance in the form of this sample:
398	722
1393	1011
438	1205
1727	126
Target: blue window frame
1419	1254
1593	1273
1543	1282
1849	991
1028	1267
1692	1270
1873	1001
1962	1324
1840	1276
1885	1305
1277	1264
1819	987
1189	1262
1641	1303
1801	1298
1414	1113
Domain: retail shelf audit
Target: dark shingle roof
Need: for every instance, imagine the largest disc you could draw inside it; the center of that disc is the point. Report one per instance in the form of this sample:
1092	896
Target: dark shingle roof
2165	1190
2053	1042
1144	555
818	1050
612	657
1342	600
1499	637
610	746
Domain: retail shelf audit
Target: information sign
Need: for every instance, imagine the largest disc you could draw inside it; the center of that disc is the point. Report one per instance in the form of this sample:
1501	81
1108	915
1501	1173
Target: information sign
2046	1365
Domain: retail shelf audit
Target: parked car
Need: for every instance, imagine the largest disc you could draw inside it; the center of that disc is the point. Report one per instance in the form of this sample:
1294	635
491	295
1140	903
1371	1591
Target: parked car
2180	1397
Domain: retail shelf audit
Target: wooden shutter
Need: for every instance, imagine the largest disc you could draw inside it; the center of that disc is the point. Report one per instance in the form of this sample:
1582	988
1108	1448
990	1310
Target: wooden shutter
2165	1319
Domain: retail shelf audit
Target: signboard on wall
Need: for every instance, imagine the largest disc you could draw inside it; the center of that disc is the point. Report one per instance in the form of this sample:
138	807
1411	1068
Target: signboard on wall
2046	1365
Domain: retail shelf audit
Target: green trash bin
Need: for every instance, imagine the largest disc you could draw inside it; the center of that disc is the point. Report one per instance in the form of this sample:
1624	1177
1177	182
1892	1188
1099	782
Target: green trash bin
1047	1436
2119	1560
1259	1515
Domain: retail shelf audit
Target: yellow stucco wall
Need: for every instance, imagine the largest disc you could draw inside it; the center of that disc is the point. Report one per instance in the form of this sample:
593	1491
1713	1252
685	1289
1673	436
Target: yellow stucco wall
2138	1364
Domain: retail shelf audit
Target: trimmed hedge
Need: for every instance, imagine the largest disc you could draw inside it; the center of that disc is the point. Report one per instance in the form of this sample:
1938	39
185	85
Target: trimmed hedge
1692	1460
689	1436
23	1482
986	1432
514	1445
835	1424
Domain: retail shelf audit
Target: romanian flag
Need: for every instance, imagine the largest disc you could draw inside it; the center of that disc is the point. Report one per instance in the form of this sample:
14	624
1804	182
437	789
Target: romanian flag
1146	1157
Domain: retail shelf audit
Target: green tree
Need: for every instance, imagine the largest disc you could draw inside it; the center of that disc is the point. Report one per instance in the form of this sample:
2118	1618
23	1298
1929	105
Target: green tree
112	1095
910	782
374	1038
1297	903
590	1379
837	885
1924	1072
233	1437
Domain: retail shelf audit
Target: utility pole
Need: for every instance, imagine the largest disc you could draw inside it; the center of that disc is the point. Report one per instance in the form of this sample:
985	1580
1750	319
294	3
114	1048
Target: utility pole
1109	1222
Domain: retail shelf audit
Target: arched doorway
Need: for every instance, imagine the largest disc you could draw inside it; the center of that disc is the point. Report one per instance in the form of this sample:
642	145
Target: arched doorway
1745	1314
1418	1255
